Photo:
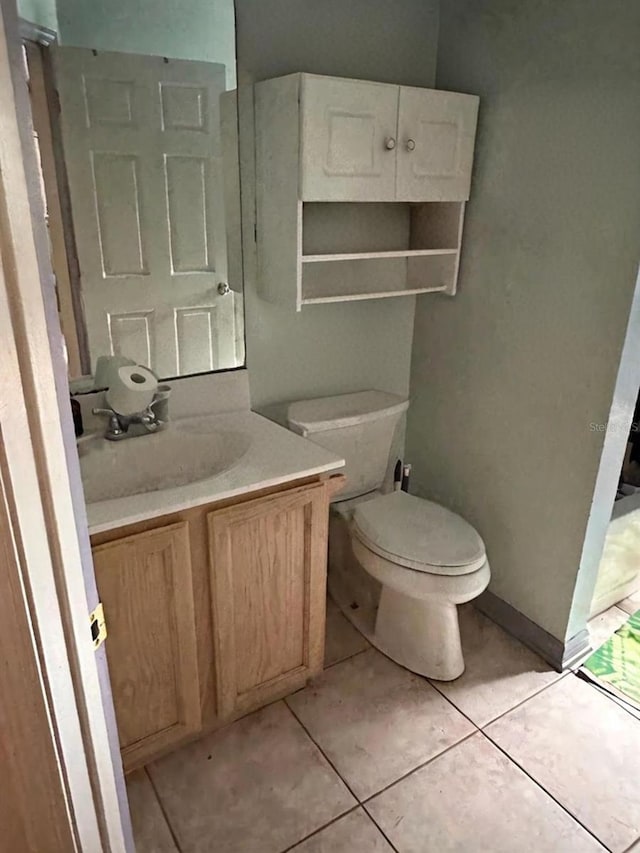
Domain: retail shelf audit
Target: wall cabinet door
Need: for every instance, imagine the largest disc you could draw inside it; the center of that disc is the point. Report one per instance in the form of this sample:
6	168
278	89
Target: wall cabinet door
348	140
145	585
268	578
436	135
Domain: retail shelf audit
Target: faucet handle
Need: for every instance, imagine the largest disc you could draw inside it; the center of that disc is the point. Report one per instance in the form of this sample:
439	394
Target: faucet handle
115	427
150	419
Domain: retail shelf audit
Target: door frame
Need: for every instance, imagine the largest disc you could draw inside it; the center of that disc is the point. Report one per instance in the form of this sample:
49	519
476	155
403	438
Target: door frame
43	471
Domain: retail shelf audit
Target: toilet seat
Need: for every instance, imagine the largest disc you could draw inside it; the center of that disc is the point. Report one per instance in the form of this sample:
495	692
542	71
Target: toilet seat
418	534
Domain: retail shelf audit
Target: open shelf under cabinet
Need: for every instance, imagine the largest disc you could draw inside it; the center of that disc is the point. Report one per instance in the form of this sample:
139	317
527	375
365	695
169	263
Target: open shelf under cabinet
356	251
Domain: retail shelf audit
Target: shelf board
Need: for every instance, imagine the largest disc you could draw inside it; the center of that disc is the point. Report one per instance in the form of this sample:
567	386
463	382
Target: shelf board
355	297
362	256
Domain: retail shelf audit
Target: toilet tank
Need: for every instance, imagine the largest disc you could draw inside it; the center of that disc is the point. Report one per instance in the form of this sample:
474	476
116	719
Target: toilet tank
359	427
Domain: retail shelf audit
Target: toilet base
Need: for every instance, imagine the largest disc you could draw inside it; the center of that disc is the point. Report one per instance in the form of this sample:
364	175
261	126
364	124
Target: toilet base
422	635
432	649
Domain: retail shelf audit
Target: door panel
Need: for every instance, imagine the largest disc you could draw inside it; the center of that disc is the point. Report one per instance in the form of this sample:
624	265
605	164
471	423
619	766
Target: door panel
143	156
268	578
345	125
442	127
33	808
145	585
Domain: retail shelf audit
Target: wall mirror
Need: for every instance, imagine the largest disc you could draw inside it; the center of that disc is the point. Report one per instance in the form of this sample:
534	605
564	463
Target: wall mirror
135	114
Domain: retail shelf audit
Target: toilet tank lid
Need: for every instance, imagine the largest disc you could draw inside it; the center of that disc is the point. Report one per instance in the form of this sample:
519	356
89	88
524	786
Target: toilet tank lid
344	410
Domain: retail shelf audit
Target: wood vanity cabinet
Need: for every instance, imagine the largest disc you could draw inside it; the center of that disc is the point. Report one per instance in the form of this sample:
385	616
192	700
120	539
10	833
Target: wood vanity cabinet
268	575
146	587
212	612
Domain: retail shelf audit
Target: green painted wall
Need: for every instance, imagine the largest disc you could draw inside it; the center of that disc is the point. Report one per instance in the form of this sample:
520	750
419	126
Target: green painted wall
41	12
180	29
507	377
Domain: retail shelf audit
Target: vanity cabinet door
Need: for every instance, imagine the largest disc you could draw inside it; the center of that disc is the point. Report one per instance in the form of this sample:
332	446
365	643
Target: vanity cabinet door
436	134
348	139
268	580
145	584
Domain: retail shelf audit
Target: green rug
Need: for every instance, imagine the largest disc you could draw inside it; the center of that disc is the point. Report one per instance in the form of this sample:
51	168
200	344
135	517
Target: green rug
616	664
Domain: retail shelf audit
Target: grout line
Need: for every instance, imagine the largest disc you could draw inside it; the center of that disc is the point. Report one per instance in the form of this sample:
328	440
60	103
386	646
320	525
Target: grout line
380	829
162	809
420	766
608	695
400	778
510	758
631	849
335	770
560	677
342	660
504	713
326	757
547	792
321	828
453	704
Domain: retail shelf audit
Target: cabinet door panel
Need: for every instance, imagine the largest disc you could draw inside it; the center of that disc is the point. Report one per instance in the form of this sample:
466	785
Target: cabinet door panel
442	127
145	585
268	576
345	125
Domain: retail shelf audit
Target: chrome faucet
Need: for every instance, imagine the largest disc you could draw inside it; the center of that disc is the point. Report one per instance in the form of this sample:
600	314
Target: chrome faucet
131	426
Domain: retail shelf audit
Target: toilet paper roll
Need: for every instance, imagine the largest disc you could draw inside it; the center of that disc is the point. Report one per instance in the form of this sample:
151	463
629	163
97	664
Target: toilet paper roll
106	367
131	390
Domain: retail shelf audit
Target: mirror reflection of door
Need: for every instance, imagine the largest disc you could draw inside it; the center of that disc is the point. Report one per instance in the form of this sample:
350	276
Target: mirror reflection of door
144	160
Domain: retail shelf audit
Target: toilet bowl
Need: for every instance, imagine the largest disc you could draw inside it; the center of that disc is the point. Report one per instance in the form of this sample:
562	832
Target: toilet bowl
399	565
428	561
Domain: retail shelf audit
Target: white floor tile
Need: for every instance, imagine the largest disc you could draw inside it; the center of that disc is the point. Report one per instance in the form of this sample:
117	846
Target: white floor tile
150	830
258	786
500	671
376	721
631	604
585	751
354	833
473	798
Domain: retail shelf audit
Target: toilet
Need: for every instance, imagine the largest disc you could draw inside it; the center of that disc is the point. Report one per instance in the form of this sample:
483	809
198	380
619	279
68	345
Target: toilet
399	565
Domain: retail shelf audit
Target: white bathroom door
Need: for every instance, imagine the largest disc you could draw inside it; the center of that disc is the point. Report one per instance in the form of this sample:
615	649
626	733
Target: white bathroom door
436	136
348	139
141	139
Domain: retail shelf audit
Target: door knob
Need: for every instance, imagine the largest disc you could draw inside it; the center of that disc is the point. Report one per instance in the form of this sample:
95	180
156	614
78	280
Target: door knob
223	288
411	144
389	143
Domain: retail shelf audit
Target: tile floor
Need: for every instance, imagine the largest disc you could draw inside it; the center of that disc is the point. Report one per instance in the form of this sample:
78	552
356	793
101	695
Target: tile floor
372	759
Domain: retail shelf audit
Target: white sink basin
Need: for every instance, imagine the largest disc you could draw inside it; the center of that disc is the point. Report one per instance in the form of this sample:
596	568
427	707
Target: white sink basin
183	453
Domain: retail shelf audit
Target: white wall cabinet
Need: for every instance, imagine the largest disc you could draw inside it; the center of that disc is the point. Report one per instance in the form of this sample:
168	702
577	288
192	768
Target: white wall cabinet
360	188
436	135
347	126
364	141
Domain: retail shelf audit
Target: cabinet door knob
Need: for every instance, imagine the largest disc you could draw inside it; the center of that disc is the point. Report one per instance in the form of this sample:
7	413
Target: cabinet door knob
389	143
411	144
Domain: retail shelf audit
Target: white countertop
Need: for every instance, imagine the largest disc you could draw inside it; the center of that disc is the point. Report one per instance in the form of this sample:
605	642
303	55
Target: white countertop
274	456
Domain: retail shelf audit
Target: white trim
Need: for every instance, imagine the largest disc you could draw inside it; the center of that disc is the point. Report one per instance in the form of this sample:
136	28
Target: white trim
30	31
44	461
